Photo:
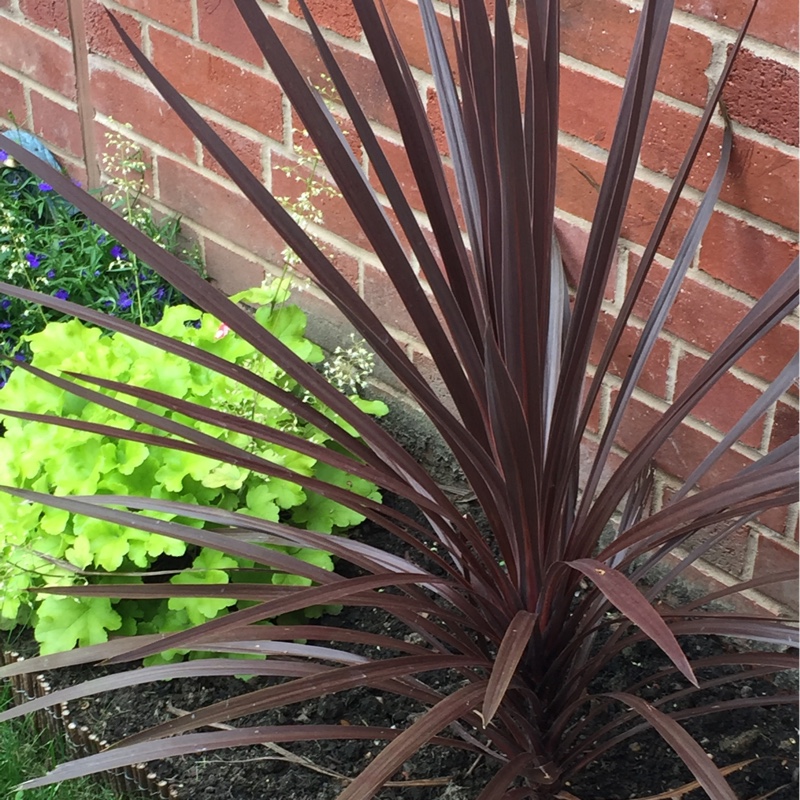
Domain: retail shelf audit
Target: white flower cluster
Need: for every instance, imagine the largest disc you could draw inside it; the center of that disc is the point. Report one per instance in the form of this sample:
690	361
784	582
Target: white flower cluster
125	167
349	368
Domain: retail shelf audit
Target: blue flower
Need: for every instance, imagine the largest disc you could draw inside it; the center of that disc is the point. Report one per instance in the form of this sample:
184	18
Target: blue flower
45	187
5	303
118	252
3	155
19	357
124	300
160	292
51	274
33	260
5	325
96	272
62	294
102	238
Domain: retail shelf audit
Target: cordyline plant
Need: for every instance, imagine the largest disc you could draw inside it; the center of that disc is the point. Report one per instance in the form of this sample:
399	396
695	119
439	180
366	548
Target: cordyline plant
529	608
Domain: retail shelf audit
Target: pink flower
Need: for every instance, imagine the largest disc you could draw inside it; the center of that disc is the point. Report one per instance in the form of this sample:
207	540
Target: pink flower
222	331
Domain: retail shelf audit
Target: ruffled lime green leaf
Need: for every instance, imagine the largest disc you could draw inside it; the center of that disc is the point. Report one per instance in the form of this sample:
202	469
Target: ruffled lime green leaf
64	622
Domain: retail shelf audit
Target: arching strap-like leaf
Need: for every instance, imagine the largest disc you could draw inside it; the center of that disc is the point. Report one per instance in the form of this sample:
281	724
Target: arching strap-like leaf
512	648
690	752
458	704
632	603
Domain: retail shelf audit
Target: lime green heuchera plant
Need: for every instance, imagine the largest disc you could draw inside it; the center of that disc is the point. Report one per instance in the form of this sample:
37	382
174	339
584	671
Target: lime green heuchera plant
42	546
530	609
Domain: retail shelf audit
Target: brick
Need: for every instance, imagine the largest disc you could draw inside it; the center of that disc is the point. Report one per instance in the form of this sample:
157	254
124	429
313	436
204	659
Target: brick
774	555
785	425
594	116
221	25
49	14
306	143
13	96
396	156
760	179
683	451
230	272
383	299
405	19
774	519
103	39
730	554
175	15
149	115
774	22
246	148
434	111
338	218
577	188
360	72
771	354
742	256
243	95
654	376
763	94
602	32
38	58
697	580
56	124
217	208
724	405
334	15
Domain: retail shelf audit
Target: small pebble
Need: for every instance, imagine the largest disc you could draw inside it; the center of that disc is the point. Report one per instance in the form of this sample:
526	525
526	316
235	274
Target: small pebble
746	691
635	747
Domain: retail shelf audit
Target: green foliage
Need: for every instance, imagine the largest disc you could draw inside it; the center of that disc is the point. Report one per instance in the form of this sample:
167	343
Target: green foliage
25	751
41	546
47	245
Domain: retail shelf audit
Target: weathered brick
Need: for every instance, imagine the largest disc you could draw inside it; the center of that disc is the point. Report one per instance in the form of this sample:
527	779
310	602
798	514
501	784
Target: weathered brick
589	107
774	555
730	554
13	95
176	14
577	188
49	14
221	25
771	354
382	298
246	148
785	425
434	111
774	22
760	179
361	73
338	218
143	108
654	376
405	18
334	15
724	405
743	256
56	124
229	271
224	211
37	57
103	39
602	32
763	95
683	451
246	96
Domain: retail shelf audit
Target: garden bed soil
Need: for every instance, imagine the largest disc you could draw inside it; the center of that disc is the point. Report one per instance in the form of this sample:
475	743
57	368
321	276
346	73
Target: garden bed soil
638	767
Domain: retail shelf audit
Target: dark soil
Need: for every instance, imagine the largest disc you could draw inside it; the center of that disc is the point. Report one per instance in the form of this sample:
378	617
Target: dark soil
641	766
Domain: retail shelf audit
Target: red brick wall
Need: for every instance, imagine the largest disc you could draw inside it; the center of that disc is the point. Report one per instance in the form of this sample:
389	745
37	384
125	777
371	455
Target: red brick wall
207	53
